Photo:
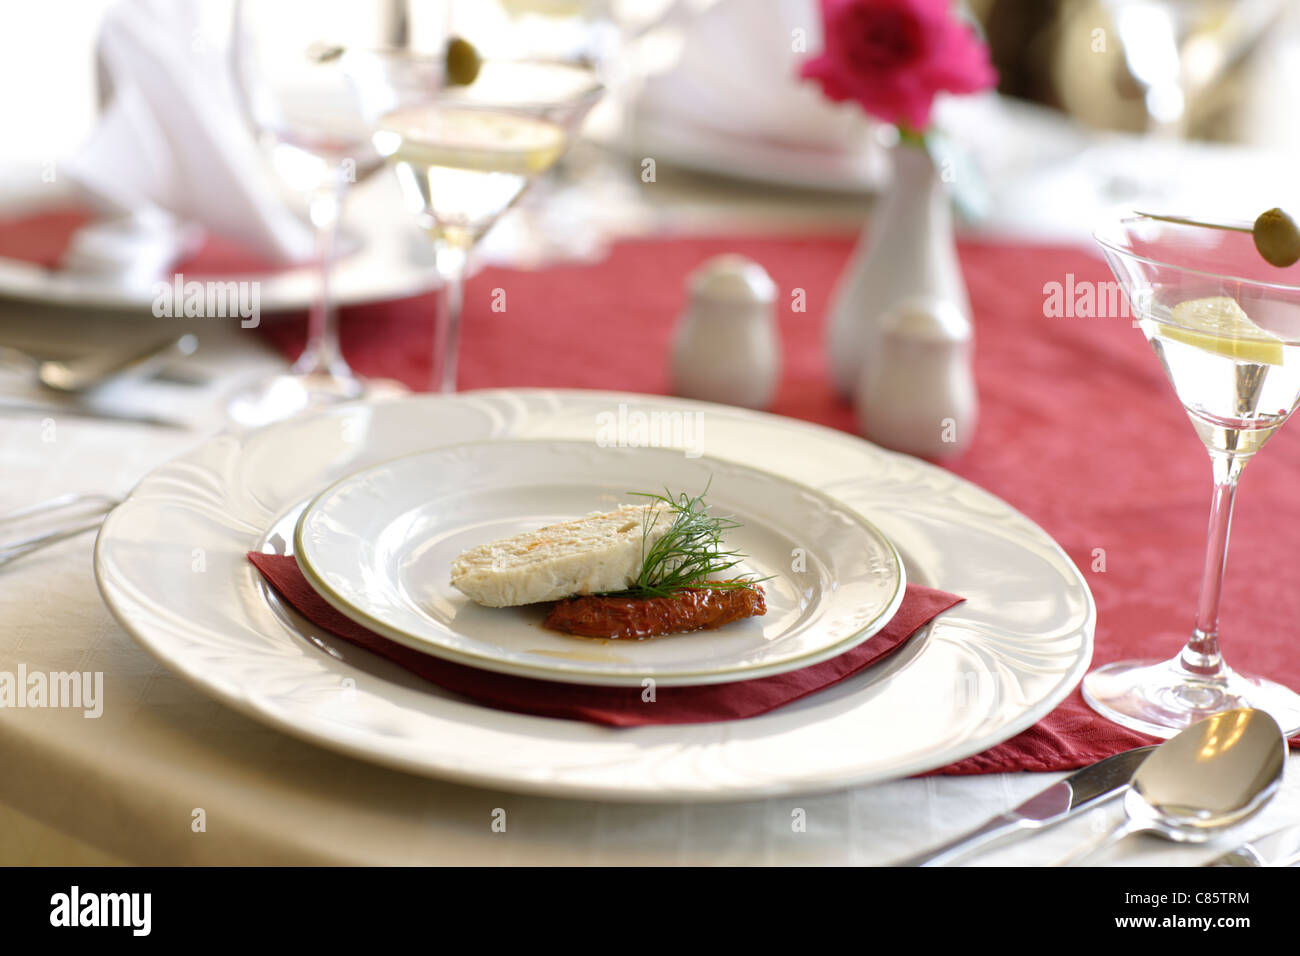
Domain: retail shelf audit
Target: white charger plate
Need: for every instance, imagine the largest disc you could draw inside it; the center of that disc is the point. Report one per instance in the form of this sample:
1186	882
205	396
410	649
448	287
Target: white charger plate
982	672
379	545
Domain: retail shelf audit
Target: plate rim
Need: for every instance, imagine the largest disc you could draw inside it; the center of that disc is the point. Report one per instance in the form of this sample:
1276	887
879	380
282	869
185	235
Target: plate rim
691	679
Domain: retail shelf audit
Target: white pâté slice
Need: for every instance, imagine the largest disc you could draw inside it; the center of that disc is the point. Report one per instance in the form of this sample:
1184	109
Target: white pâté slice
601	552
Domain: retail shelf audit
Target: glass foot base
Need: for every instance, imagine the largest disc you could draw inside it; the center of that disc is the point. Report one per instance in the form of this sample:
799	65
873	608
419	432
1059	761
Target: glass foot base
283	396
1159	698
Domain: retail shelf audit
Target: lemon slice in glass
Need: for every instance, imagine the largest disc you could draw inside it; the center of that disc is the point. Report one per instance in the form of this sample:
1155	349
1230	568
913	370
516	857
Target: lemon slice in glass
1219	325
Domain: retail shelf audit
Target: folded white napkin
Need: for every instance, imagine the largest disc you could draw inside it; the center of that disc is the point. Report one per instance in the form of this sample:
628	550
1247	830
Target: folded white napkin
172	149
738	75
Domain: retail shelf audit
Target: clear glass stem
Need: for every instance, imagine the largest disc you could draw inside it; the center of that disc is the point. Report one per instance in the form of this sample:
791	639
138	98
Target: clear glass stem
322	355
451	260
1201	657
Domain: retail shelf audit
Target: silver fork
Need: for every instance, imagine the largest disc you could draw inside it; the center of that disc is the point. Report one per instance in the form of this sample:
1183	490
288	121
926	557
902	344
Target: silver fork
71	515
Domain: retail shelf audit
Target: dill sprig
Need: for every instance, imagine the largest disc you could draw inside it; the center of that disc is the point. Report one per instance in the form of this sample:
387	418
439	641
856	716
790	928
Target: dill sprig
689	551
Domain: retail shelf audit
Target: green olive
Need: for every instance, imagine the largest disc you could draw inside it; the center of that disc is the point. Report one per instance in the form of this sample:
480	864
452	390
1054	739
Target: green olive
462	62
1277	238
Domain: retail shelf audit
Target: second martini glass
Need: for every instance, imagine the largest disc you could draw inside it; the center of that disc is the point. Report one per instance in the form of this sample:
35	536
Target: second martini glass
465	154
1227	332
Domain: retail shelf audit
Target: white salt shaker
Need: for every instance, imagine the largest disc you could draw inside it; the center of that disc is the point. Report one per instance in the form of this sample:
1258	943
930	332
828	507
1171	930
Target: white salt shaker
726	348
917	390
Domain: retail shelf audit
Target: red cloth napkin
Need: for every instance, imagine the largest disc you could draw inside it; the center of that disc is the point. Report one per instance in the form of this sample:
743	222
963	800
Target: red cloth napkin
41	237
614	706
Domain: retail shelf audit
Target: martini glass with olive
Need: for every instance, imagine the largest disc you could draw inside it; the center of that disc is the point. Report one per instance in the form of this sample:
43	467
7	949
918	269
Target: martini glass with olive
1221	312
466	148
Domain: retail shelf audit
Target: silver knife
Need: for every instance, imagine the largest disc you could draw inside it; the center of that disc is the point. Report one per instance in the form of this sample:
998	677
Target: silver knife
55	409
1280	848
1065	798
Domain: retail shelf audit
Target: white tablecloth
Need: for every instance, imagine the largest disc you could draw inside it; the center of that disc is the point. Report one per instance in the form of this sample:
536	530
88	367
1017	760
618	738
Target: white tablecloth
126	787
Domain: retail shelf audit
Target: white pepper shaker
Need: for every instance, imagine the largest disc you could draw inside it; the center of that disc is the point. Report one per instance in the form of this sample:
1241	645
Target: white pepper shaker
726	347
917	389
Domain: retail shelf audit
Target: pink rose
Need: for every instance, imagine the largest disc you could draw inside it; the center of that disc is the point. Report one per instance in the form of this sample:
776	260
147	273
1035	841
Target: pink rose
893	56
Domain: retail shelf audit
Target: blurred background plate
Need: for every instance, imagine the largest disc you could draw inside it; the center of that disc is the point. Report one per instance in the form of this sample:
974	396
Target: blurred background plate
820	166
385	257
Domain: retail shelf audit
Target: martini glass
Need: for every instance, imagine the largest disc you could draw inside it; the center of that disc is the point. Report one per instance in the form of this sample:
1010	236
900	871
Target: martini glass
465	154
1225	326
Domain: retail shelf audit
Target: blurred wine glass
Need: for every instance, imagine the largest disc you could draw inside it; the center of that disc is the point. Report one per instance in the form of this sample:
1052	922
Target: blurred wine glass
568	213
285	59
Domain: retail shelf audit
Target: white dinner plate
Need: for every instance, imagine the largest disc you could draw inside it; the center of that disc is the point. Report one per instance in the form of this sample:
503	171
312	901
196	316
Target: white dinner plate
982	672
379	544
829	169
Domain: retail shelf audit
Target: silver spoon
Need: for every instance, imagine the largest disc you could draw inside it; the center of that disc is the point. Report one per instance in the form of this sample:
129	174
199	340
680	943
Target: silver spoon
1211	775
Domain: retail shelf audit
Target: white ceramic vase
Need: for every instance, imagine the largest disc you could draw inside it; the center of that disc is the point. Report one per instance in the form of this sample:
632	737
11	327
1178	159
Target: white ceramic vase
906	251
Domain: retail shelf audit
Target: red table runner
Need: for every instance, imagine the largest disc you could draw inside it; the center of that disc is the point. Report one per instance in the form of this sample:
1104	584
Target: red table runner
1078	429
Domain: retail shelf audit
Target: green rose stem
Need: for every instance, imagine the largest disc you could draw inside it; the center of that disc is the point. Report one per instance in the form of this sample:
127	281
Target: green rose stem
907	136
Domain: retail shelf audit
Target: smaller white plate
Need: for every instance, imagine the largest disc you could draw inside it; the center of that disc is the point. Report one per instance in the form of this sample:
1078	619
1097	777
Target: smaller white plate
379	544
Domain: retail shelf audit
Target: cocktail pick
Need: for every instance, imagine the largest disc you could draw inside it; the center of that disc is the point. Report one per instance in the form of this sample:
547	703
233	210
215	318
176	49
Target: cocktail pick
1275	233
